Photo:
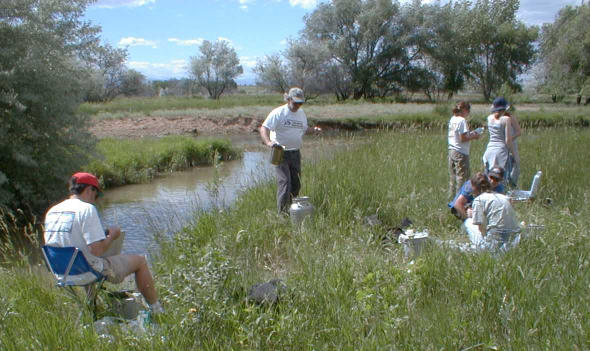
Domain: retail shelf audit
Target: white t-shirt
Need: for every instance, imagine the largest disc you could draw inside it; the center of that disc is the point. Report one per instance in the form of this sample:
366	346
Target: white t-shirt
458	126
286	127
74	222
496	212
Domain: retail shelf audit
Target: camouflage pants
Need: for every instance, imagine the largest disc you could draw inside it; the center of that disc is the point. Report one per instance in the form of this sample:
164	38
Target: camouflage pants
458	171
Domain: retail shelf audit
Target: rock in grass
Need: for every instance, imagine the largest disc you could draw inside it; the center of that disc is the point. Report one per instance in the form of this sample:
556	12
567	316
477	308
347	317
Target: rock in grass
268	292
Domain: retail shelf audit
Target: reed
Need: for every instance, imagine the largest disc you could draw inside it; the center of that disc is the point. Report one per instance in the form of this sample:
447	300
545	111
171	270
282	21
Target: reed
131	161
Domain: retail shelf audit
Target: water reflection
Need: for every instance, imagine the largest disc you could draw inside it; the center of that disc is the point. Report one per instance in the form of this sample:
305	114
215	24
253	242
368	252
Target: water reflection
169	203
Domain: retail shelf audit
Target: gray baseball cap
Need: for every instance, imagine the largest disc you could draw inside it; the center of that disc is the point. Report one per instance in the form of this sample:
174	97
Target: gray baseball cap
295	94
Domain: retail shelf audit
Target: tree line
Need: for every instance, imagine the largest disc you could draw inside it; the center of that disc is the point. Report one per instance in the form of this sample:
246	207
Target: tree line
376	48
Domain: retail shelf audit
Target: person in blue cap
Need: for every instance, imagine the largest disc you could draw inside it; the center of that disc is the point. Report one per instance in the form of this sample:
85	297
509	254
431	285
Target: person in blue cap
501	150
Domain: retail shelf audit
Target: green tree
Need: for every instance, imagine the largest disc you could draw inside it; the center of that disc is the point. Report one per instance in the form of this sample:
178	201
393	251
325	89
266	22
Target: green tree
369	38
272	73
565	52
110	66
307	62
499	47
133	83
44	55
107	70
216	67
444	45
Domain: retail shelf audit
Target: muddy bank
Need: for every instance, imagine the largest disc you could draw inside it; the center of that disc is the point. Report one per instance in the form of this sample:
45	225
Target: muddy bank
138	127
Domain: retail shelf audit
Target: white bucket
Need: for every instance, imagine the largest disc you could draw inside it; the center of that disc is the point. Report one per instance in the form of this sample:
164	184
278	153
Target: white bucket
300	209
413	243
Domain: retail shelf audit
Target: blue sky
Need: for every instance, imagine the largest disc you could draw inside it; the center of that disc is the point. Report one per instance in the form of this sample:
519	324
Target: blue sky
162	35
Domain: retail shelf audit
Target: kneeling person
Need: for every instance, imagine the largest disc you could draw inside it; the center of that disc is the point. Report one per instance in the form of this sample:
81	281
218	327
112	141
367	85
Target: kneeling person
75	222
462	201
494	225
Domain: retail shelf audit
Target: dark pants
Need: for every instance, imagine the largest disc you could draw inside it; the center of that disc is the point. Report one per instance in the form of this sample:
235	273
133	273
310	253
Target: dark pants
288	182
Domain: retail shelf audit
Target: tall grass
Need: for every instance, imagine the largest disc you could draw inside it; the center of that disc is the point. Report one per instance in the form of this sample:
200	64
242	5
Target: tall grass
132	161
346	290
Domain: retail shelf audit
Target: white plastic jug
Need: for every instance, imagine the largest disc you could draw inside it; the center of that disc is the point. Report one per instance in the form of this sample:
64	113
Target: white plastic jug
535	184
300	208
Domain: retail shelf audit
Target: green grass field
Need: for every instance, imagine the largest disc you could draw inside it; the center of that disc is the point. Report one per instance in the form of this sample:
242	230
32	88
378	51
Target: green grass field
346	290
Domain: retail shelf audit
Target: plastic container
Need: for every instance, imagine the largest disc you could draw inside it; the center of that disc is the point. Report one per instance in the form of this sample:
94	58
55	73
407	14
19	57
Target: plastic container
276	155
535	184
300	208
413	242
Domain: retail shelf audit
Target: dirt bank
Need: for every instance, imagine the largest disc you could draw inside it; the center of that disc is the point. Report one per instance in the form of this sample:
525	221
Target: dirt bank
137	127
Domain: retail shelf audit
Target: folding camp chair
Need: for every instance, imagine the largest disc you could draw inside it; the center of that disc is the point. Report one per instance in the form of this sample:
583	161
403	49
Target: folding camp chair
524	195
71	269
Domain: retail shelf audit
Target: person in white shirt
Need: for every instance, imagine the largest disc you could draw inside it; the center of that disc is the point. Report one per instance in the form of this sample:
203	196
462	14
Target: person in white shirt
459	138
495	218
285	126
75	222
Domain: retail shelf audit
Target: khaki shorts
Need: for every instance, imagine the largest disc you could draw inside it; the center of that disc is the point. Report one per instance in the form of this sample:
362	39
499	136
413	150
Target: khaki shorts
116	268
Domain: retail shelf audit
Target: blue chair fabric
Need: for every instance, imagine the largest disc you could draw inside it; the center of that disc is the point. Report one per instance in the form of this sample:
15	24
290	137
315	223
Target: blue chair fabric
70	268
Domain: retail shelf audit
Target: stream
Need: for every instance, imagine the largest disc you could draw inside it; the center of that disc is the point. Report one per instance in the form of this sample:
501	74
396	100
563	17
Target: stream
172	202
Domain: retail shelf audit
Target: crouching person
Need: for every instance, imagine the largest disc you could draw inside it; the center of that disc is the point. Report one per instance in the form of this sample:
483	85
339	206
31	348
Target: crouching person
494	225
461	204
75	222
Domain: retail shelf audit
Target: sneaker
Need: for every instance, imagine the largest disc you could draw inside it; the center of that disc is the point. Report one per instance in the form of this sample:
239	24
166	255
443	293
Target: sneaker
156	308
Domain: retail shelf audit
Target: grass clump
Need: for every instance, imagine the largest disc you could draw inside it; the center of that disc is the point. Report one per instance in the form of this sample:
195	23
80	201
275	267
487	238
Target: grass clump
132	161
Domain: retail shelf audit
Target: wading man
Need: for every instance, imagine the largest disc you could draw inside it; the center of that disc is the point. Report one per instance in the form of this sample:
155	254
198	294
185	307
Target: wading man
285	126
75	222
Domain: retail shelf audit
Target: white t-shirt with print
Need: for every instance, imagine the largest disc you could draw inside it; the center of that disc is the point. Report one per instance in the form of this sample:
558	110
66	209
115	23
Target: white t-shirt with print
286	127
74	222
458	126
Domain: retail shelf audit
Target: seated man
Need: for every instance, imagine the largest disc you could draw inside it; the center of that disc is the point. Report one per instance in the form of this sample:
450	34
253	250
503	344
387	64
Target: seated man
75	222
494	225
462	201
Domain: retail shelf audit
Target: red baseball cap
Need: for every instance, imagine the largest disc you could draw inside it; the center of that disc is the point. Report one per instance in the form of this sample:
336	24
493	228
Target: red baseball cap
87	178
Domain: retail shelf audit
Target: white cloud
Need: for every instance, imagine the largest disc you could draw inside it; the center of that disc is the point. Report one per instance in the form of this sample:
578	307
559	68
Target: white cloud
542	11
187	42
132	41
231	43
154	70
110	4
306	4
247	61
244	4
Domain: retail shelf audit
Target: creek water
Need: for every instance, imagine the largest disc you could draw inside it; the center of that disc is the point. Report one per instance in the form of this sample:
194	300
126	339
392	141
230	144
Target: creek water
172	202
